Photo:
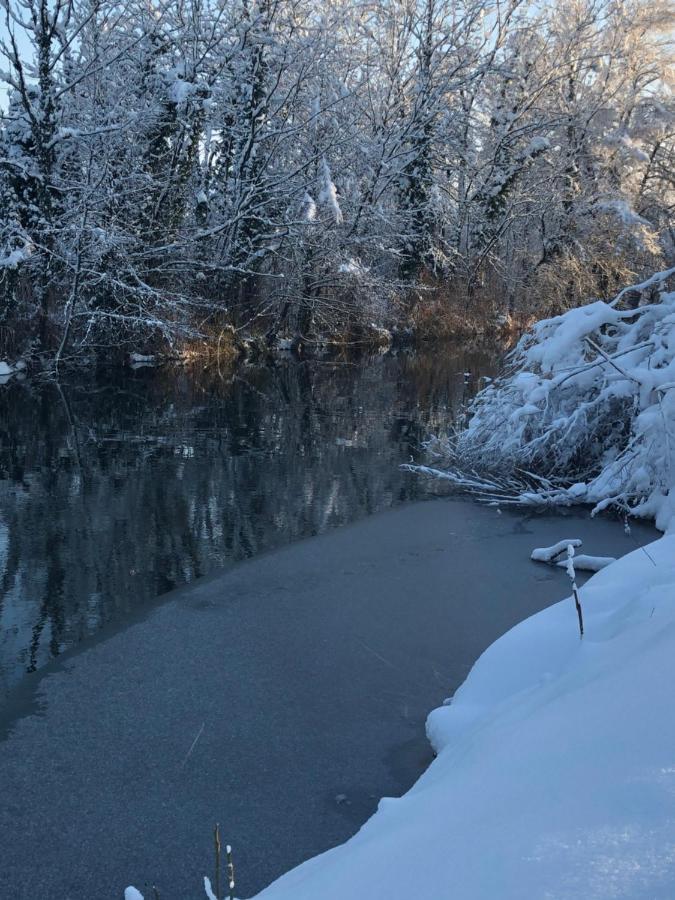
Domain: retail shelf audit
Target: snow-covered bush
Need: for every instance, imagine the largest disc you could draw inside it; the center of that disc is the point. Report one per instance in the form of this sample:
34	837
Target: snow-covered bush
585	411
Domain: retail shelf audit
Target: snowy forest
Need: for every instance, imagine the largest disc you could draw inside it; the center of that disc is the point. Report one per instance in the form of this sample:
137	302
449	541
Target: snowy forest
173	172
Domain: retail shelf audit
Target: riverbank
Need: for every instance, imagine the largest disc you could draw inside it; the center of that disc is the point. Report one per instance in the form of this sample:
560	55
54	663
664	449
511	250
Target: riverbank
555	771
224	348
281	699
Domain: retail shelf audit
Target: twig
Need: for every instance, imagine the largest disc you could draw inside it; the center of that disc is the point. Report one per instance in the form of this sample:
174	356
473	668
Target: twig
609	359
575	590
579	612
216	840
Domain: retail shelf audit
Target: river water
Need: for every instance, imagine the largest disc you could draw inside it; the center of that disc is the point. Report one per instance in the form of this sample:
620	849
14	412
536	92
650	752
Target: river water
117	488
282	697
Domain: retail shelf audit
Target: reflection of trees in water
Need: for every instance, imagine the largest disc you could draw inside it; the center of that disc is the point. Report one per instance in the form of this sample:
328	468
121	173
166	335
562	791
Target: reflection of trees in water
111	494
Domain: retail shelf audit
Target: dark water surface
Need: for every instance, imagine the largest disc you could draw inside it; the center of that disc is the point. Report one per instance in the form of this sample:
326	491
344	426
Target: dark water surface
281	697
116	489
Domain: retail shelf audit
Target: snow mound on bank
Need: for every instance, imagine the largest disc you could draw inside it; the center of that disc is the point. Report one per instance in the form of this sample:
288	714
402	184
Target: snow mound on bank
585	412
555	776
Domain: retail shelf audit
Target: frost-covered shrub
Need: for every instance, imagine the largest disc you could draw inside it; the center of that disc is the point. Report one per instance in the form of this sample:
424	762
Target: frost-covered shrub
585	411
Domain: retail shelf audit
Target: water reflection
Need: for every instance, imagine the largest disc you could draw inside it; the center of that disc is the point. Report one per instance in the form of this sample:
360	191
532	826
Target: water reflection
111	494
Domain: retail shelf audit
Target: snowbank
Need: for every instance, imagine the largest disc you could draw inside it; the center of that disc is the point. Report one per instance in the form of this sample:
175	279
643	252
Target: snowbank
585	412
555	775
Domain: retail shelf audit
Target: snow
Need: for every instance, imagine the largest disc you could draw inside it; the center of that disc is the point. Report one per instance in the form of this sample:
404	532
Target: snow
139	360
309	208
585	411
7	371
352	267
132	894
328	193
180	89
622	209
537	145
549	554
14	258
627	144
584	562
